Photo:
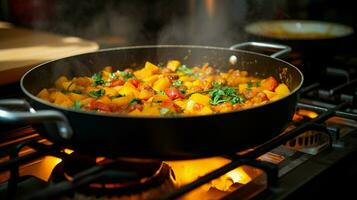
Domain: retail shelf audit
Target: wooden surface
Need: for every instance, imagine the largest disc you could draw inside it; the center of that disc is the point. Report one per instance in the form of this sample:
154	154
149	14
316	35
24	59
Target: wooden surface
21	49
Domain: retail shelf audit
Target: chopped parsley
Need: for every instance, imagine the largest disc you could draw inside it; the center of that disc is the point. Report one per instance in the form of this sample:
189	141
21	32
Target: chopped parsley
183	91
135	101
164	111
97	93
97	78
221	94
126	75
257	84
177	83
117	96
113	76
185	70
77	105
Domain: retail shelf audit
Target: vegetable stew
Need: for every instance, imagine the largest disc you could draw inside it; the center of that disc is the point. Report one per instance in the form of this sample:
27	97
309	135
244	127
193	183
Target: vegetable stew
174	89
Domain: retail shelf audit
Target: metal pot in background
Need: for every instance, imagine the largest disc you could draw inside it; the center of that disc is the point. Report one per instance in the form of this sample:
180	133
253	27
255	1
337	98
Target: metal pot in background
314	43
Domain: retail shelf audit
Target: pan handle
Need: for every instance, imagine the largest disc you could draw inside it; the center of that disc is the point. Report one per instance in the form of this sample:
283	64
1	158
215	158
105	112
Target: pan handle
64	130
283	49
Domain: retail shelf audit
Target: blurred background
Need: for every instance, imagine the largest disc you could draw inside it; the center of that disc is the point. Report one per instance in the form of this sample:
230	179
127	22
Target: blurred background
136	22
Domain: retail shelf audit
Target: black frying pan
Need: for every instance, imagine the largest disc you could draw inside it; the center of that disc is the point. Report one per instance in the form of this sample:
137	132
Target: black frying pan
115	135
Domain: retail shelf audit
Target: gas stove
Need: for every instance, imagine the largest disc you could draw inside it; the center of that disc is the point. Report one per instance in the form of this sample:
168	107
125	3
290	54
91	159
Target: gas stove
311	156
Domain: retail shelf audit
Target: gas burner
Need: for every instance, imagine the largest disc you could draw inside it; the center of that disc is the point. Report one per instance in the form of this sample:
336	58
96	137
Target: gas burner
97	177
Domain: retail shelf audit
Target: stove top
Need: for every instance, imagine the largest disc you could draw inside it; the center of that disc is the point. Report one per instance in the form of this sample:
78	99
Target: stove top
313	155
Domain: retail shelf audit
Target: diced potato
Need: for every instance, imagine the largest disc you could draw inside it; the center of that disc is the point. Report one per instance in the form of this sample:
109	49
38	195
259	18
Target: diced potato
104	99
150	110
200	98
60	81
128	91
173	65
151	67
269	94
242	87
110	91
205	111
76	97
160	97
161	84
121	101
135	112
188	84
68	85
145	94
143	73
44	94
180	103
187	78
151	79
282	89
83	81
197	83
63	100
105	75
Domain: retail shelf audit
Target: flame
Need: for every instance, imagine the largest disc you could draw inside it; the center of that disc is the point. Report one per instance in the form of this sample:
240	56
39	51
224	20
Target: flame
301	113
307	113
190	170
239	176
68	151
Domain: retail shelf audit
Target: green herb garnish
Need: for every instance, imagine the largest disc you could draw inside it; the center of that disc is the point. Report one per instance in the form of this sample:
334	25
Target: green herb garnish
126	75
97	78
183	91
117	96
221	94
257	84
77	105
164	111
113	76
97	93
135	101
185	70
177	83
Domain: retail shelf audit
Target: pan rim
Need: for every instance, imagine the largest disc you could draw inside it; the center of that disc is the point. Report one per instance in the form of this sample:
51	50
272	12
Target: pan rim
119	115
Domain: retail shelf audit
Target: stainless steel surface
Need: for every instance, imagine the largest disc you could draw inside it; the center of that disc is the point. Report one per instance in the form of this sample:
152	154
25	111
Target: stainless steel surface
283	49
22	117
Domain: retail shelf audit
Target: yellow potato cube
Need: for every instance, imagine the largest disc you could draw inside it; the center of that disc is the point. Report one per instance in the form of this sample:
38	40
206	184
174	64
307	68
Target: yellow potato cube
151	79
200	98
205	111
44	94
151	67
269	94
121	101
60	81
110	91
282	89
75	97
173	65
161	84
145	94
160	97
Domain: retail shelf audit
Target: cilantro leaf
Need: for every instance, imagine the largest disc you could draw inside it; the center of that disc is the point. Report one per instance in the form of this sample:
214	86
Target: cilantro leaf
221	94
117	96
177	83
126	75
185	70
97	93
135	101
97	78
